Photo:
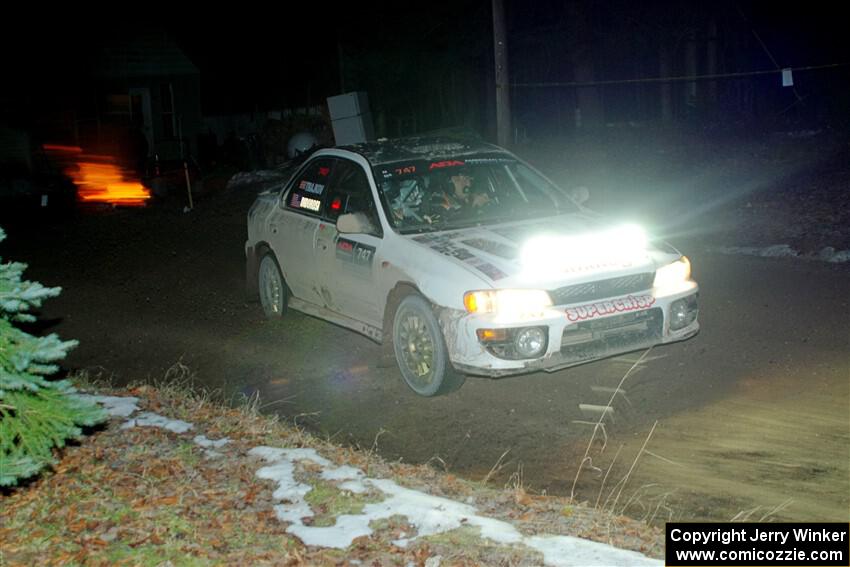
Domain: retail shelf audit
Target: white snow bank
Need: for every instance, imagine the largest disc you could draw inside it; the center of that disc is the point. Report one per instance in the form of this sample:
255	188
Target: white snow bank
429	514
352	477
826	254
830	254
563	551
148	419
115	406
251	177
775	251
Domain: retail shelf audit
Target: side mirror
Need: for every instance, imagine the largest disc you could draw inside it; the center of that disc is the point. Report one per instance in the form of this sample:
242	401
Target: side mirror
354	223
580	194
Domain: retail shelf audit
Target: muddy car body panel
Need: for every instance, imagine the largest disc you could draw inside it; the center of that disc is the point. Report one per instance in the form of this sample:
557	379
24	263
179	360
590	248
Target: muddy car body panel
594	289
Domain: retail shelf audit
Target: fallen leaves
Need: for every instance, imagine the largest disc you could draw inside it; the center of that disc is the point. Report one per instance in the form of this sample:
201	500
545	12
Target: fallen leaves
167	499
123	495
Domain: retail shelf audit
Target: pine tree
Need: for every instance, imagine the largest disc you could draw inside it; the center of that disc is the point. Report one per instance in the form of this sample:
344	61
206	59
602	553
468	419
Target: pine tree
36	414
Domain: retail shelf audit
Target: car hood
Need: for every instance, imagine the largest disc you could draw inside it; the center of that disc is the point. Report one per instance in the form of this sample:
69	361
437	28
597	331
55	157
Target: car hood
544	253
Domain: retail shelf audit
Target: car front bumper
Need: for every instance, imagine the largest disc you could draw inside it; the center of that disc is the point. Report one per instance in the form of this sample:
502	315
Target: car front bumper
576	334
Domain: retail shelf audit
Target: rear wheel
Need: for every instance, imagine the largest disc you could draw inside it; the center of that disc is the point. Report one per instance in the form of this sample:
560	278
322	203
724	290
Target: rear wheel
421	351
274	295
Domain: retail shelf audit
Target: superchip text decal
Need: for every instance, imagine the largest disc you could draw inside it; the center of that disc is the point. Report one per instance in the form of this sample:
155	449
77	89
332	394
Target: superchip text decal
602	308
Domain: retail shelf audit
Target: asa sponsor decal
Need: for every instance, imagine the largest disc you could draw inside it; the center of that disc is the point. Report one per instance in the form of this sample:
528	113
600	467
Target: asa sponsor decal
489	160
602	308
446	163
354	253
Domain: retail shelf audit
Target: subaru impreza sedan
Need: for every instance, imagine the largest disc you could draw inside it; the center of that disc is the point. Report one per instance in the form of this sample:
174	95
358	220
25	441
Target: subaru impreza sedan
461	259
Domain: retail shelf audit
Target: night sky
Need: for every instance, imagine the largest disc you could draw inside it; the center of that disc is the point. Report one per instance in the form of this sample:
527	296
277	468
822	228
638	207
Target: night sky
251	58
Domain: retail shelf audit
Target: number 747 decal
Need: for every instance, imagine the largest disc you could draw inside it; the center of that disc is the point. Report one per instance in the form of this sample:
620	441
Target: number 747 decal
354	252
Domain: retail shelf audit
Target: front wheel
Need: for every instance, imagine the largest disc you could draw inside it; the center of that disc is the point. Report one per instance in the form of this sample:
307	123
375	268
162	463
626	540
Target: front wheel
421	351
274	295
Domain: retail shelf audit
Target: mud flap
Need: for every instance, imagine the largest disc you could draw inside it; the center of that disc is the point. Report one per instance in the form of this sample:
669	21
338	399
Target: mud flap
252	287
387	358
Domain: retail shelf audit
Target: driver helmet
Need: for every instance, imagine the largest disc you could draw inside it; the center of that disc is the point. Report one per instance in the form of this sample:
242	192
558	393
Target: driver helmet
300	143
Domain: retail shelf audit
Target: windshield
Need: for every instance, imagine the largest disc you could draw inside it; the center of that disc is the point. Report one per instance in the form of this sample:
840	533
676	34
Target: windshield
424	195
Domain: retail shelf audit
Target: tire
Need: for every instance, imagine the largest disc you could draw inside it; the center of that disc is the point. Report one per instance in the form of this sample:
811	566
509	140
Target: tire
420	350
274	295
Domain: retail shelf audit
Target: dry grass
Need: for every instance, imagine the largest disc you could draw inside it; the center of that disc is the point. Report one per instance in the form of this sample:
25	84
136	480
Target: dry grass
649	502
148	496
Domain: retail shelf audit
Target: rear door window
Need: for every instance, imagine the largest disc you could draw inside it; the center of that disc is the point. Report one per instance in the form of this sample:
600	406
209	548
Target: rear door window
350	192
307	192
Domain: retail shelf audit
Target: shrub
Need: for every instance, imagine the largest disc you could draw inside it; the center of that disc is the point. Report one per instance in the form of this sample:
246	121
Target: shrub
36	414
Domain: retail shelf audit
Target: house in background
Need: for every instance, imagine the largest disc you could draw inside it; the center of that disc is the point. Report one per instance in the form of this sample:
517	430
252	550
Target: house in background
144	97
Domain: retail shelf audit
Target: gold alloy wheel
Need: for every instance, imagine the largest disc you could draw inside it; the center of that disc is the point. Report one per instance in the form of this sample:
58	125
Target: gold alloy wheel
417	346
271	288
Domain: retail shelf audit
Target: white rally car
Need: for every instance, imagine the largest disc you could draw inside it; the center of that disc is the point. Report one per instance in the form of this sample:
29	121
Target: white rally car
460	258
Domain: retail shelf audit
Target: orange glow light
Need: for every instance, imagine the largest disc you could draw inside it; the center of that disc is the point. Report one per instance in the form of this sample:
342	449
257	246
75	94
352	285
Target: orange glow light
99	179
63	149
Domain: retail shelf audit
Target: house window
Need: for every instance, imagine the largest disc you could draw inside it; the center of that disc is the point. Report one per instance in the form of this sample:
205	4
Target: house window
168	123
136	113
117	104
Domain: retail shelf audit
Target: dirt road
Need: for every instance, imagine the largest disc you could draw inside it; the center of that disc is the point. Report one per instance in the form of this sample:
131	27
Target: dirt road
765	382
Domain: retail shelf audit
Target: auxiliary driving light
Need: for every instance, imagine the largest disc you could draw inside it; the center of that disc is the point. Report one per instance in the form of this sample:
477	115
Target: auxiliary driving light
530	342
515	343
683	312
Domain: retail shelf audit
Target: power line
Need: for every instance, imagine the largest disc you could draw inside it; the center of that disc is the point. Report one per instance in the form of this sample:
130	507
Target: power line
679	79
766	50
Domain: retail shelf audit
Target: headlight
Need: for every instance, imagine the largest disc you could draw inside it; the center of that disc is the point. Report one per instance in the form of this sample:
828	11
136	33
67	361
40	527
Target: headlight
507	302
673	274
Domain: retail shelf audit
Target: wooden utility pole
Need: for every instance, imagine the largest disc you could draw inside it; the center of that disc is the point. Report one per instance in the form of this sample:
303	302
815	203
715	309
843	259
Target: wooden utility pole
503	92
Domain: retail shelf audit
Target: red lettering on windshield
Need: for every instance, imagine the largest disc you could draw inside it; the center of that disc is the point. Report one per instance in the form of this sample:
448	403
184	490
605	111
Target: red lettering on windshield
448	163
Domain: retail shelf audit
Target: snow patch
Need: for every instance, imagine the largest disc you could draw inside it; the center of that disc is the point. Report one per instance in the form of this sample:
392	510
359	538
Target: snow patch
209	443
775	251
830	254
210	446
355	486
342	473
148	419
352	477
429	514
568	551
115	406
251	177
826	254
